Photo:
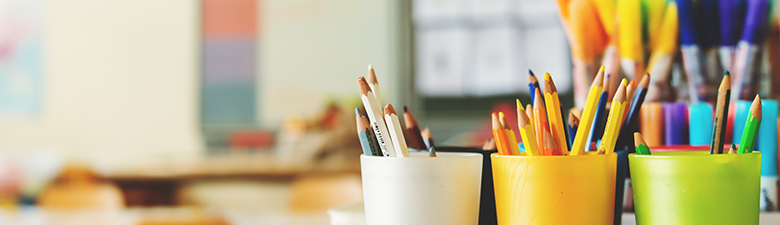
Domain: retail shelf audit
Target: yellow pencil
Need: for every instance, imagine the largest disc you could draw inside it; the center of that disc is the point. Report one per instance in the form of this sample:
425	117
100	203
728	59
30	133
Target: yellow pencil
511	139
614	120
630	33
526	131
554	116
586	121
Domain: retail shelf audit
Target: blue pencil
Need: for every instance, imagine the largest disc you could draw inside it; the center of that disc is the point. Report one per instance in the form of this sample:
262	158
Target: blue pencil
732	16
599	119
747	63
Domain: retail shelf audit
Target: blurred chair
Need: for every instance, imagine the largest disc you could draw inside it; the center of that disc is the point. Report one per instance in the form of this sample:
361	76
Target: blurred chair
325	191
78	188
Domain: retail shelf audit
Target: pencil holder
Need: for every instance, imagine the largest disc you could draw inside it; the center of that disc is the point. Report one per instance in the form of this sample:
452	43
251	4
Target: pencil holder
421	189
487	200
555	189
694	187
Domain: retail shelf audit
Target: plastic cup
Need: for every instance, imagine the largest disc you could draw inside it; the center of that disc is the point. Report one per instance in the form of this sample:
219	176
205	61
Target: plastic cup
421	189
694	187
487	200
555	189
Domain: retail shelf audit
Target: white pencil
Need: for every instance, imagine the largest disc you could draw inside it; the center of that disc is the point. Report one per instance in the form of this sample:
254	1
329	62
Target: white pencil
373	83
374	113
396	133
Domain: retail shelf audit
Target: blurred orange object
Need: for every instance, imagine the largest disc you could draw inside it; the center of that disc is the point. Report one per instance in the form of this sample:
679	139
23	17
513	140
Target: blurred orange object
322	192
78	188
652	123
251	139
179	216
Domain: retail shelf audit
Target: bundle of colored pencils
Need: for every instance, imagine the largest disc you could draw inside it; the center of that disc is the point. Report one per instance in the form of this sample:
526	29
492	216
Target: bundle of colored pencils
544	132
379	129
749	133
619	35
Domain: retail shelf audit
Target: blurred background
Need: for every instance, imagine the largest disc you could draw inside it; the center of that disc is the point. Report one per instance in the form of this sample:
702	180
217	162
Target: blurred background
239	111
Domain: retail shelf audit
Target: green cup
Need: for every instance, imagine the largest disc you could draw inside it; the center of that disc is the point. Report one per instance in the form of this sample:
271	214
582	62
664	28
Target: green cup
694	187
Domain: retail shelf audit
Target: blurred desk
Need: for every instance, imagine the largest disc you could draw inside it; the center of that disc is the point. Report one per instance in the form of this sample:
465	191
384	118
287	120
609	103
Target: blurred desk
135	216
157	184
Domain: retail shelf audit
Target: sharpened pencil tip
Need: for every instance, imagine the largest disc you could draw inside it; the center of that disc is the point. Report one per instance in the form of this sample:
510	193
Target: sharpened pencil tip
519	104
357	111
602	68
727	73
406	109
531	72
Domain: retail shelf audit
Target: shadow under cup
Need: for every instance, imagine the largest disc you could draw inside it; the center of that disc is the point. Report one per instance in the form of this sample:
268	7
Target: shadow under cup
421	189
694	187
555	189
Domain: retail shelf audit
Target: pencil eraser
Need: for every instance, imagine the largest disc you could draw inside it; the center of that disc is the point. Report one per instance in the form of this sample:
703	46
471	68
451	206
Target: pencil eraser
700	123
675	121
767	138
740	117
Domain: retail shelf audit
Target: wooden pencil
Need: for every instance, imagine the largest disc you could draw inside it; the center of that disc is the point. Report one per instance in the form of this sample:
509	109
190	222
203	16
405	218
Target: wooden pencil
529	110
751	127
733	149
588	114
427	137
374	113
413	130
631	121
533	84
431	152
499	134
600	118
614	120
396	133
373	83
574	123
490	144
366	137
526	129
540	122
640	144
549	144
511	139
721	115
554	117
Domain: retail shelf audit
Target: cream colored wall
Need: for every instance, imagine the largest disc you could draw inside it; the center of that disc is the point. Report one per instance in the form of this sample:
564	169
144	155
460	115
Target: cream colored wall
313	50
121	81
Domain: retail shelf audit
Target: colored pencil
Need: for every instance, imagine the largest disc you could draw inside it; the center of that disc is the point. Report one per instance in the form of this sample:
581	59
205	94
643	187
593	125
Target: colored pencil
631	121
721	115
747	64
731	21
662	57
533	84
691	51
614	121
526	129
599	118
499	134
490	144
574	123
373	83
588	114
641	145
529	110
751	127
413	130
555	119
431	152
549	144
510	135
427	137
540	122
630	38
374	113
733	149
396	133
366	137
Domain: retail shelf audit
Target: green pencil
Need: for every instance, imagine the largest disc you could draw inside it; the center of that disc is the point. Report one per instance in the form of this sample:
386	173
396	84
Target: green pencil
641	145
751	127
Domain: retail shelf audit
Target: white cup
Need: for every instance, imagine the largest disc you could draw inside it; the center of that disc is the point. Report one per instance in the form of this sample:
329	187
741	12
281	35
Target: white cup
421	189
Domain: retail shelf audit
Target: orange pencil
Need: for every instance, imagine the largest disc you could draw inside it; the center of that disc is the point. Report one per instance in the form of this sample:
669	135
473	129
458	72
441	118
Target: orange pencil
499	135
540	121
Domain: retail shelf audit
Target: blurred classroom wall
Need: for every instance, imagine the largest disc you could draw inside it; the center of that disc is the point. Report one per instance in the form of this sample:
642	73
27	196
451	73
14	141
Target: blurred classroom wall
122	78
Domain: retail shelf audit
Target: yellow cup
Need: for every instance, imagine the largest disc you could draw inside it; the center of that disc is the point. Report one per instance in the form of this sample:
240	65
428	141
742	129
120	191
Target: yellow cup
555	189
